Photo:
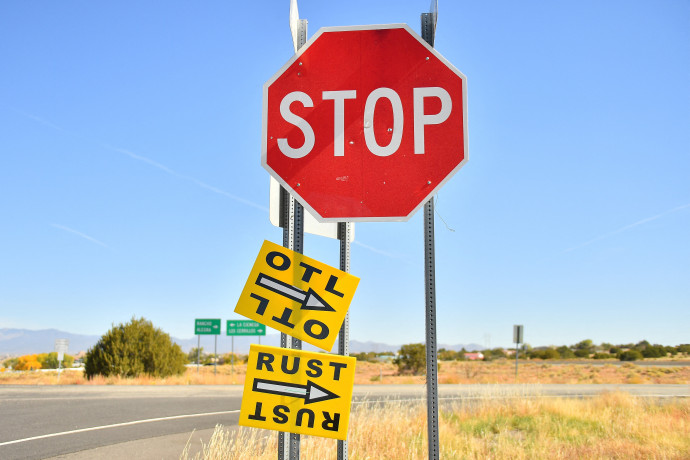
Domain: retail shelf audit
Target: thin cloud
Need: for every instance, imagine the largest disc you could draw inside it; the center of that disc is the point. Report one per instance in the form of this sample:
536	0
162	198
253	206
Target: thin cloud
80	234
628	227
194	180
40	120
154	164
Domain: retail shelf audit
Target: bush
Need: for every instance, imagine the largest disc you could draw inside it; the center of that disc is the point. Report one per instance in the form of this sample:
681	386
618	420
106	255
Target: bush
132	349
411	359
27	363
654	351
10	362
369	356
50	360
546	353
582	353
565	352
602	356
630	355
495	353
448	355
194	354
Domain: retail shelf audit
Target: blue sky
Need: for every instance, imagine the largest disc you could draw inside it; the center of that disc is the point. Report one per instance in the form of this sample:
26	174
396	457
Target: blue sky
131	185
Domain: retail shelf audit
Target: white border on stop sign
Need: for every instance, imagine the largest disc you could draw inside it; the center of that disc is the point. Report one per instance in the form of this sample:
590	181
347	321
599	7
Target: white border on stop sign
295	57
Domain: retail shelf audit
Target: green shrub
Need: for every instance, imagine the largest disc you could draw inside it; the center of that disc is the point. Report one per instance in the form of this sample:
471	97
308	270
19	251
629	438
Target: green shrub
132	349
50	360
654	351
565	352
10	362
411	359
630	355
547	353
602	356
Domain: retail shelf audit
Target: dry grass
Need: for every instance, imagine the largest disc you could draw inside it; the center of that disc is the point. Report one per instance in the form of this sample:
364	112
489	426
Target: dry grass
493	372
610	426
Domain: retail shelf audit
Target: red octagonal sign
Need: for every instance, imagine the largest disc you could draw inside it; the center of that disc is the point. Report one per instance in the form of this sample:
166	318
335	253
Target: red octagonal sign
365	123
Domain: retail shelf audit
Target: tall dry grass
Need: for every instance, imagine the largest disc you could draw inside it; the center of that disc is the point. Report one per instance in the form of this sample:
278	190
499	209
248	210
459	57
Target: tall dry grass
610	426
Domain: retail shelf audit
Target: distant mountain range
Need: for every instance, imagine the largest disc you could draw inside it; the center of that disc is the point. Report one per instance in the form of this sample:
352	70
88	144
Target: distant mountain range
17	342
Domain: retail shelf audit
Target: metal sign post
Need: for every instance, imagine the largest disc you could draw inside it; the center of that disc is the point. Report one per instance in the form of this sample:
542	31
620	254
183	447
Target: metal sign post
293	235
518	331
61	346
428	33
235	327
344	229
206	327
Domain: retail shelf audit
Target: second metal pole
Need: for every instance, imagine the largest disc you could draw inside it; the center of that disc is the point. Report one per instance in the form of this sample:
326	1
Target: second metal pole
517	346
431	354
428	32
344	229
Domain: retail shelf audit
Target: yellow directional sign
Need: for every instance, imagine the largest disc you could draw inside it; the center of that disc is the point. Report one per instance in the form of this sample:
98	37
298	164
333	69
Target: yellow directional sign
298	391
297	295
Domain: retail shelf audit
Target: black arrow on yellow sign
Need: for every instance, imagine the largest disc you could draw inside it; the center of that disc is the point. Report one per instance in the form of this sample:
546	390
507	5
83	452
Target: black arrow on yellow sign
310	300
310	392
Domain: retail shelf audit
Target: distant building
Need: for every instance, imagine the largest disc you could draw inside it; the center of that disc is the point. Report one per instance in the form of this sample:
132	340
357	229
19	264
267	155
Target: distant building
478	356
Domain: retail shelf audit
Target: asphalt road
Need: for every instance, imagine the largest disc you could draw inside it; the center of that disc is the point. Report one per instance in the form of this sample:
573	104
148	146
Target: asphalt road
142	422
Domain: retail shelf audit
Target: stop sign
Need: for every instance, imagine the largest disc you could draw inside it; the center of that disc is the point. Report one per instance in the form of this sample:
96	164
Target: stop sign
365	123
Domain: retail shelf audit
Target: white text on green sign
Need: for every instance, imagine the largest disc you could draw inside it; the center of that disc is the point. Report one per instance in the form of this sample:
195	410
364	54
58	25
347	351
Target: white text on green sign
207	326
242	327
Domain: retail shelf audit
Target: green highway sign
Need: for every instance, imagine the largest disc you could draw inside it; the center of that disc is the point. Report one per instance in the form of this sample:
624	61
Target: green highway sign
207	326
241	327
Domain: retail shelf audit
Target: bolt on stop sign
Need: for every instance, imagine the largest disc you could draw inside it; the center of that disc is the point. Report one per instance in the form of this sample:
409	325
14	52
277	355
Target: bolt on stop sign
365	123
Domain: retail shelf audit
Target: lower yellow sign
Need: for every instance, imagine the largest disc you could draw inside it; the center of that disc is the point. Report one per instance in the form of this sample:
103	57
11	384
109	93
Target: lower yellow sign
298	391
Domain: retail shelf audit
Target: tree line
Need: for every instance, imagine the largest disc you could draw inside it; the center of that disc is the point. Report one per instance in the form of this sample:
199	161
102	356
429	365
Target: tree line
38	361
411	358
137	347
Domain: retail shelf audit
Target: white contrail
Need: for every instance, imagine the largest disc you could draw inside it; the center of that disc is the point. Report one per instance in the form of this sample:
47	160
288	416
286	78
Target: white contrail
628	227
153	163
80	234
41	121
194	180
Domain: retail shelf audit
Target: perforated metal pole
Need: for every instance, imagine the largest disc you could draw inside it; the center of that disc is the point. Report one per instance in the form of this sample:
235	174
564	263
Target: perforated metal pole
344	229
298	226
517	345
293	238
287	217
428	24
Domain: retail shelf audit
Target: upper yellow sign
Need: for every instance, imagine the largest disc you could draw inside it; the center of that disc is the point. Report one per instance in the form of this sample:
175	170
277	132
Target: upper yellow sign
297	295
298	391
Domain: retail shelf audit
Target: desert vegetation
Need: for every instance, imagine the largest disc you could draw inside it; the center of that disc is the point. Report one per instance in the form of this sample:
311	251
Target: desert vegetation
612	425
133	349
450	372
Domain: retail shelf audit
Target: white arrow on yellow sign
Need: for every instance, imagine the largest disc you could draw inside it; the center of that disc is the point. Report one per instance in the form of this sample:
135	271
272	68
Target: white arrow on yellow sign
298	391
297	295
